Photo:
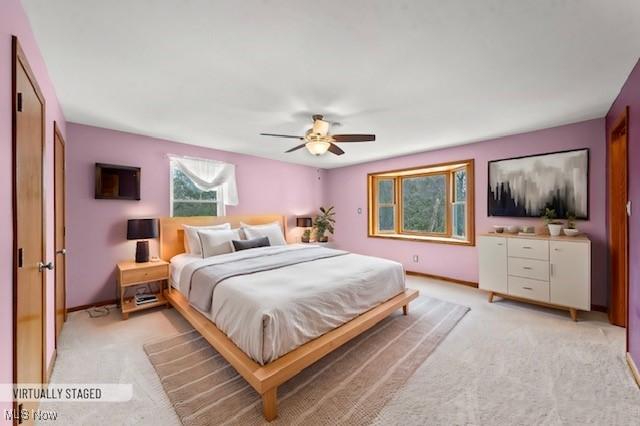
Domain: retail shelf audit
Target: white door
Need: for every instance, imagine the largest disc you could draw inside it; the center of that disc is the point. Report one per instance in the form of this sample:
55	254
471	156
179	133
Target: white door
493	264
571	274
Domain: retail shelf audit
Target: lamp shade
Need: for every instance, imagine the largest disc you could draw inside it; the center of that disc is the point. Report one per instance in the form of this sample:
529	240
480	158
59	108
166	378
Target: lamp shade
303	222
140	229
318	147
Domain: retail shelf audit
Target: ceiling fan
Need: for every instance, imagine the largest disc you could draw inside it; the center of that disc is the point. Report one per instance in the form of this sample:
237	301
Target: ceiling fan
318	141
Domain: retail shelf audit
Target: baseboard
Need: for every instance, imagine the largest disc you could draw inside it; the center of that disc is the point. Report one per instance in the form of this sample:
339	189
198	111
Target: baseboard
442	278
634	369
599	308
52	363
92	305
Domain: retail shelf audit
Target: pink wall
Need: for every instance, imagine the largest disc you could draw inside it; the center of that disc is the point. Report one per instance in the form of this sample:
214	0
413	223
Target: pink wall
96	229
630	95
13	21
347	191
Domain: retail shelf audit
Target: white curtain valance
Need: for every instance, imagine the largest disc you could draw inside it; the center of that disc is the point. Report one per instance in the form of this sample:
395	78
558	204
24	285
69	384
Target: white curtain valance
208	175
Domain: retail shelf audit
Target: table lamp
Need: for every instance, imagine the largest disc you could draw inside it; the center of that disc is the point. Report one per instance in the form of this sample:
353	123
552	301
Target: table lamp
141	230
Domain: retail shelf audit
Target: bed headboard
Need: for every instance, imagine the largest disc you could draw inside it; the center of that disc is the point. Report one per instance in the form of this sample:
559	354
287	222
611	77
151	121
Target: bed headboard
172	233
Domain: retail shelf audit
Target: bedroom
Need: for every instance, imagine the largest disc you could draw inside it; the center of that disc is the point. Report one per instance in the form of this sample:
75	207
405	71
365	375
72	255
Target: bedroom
438	133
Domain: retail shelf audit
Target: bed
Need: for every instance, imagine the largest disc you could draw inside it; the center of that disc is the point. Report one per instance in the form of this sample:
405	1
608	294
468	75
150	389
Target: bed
281	308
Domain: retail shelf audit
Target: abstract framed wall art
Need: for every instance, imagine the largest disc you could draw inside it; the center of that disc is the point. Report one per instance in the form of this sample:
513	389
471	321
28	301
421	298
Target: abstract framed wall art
525	186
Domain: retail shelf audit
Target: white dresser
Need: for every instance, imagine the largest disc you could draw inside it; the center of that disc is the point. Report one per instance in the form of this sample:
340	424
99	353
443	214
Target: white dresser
542	269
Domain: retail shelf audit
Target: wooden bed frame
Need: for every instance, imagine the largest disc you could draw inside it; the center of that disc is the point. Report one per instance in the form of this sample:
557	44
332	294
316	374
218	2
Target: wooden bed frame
265	379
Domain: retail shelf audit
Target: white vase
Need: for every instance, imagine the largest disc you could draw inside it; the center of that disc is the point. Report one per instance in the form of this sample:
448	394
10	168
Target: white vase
555	229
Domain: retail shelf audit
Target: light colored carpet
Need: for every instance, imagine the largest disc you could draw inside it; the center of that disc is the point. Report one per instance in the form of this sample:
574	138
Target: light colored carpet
481	374
347	387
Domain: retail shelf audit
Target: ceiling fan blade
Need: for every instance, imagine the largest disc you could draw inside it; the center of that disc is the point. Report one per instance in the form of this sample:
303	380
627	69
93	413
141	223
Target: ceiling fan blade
335	149
295	148
354	138
282	136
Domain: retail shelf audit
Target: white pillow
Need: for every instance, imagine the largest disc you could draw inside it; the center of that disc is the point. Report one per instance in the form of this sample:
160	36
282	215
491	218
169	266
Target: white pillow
273	231
191	240
217	241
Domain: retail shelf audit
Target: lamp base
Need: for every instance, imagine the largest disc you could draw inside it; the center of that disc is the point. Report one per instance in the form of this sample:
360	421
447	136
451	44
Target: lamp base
142	251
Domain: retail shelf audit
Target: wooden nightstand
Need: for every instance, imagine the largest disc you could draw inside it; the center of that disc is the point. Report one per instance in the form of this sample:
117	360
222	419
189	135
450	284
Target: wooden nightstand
131	274
328	244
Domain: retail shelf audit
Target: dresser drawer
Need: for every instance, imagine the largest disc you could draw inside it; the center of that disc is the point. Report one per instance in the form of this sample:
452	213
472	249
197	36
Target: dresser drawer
527	248
529	268
529	289
155	273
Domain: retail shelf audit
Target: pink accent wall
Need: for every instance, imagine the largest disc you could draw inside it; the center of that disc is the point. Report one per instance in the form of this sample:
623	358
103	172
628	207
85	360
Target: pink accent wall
13	21
96	229
347	191
630	95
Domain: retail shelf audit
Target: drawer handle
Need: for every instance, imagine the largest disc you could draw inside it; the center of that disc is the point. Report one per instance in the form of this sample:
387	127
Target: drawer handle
527	247
527	288
528	268
499	244
556	249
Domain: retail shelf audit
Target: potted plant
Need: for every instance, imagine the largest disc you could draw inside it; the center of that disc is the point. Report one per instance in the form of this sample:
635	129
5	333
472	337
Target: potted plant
306	235
571	230
555	227
324	222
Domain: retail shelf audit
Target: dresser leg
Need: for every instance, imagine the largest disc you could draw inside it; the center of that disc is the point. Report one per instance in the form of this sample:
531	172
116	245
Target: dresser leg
491	294
405	309
125	316
574	314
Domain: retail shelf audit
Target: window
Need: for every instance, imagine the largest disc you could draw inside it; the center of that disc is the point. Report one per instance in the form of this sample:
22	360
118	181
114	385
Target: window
188	200
430	203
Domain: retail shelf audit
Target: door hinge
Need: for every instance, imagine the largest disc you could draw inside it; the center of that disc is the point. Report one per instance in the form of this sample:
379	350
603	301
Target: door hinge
19	102
628	208
20	258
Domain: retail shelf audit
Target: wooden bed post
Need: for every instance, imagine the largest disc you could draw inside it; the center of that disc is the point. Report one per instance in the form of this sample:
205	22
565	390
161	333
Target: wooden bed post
270	404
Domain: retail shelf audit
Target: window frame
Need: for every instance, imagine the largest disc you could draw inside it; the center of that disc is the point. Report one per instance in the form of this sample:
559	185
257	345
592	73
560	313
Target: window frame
220	209
454	201
397	176
393	204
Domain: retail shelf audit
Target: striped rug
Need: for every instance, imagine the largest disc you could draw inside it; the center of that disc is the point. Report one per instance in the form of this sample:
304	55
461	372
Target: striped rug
347	387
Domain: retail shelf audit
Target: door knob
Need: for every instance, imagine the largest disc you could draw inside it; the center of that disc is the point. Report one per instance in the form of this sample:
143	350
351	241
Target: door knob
62	252
42	266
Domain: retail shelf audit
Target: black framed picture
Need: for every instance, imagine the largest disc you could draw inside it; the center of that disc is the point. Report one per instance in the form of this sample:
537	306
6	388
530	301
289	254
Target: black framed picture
526	186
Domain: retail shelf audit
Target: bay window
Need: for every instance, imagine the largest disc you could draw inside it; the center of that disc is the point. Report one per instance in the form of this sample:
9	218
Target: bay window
428	203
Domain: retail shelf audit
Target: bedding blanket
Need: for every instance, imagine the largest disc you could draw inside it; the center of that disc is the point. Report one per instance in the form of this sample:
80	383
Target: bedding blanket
271	300
208	274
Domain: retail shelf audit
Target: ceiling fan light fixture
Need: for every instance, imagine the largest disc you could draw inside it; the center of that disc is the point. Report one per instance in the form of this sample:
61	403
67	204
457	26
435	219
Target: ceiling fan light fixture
320	127
317	147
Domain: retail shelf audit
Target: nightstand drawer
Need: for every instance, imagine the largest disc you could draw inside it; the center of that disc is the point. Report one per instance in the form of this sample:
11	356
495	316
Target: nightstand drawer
152	273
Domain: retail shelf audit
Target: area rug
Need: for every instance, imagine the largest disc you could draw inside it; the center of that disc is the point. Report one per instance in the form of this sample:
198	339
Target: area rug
347	387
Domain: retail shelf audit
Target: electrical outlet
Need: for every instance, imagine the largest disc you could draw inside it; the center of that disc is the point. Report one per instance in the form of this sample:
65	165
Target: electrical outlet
415	258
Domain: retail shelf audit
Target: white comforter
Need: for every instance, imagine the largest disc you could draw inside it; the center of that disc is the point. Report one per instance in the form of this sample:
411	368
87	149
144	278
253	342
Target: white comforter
270	313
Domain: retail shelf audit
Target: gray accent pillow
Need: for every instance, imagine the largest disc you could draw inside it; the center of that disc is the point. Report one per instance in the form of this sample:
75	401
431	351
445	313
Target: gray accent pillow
249	244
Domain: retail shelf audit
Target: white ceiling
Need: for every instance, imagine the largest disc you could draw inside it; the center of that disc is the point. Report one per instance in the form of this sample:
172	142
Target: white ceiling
419	74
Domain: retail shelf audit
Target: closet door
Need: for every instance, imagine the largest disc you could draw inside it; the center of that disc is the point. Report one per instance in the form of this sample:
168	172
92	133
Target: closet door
493	264
571	274
29	263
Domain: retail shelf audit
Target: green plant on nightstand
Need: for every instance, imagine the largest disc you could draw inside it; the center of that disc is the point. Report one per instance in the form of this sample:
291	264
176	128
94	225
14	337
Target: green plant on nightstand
306	236
324	222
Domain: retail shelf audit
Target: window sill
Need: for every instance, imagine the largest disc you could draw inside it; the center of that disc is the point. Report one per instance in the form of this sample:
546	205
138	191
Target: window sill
426	239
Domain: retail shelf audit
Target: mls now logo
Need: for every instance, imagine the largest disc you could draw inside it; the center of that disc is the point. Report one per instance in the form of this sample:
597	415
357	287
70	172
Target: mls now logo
20	415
